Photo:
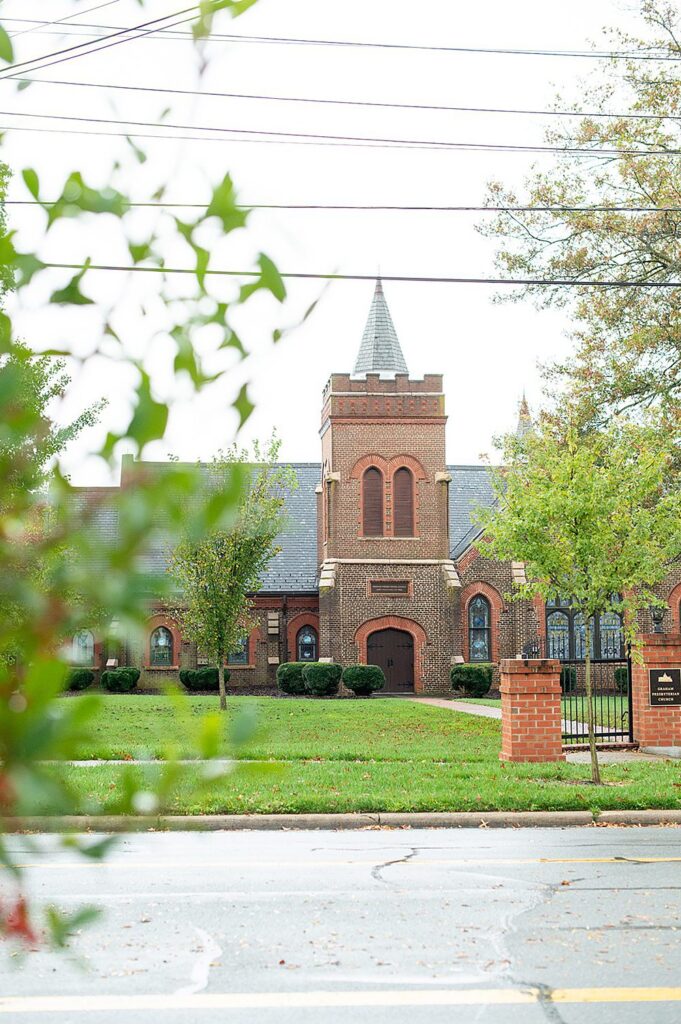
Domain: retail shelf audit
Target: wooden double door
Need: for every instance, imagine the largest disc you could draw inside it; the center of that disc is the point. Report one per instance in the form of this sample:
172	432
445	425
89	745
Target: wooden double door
393	651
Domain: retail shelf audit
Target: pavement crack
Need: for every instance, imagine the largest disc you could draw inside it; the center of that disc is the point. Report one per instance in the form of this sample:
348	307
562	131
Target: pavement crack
545	1000
377	871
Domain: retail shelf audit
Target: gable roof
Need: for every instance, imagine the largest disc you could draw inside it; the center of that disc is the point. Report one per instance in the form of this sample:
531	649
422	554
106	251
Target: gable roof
471	487
380	350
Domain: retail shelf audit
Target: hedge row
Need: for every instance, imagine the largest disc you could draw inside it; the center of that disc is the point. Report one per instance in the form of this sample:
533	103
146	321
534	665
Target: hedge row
473	680
323	679
197	679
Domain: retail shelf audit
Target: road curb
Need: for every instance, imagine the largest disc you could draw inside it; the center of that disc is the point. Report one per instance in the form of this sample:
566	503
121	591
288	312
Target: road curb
286	822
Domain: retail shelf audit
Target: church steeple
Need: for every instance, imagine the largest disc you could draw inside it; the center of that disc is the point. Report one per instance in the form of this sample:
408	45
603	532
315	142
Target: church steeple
380	350
524	418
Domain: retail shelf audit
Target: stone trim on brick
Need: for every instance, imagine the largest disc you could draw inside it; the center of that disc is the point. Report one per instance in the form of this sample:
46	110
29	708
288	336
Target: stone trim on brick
387	468
497	606
294	626
416	630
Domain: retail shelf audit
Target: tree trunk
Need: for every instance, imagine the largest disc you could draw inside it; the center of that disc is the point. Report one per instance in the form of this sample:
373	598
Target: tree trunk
221	683
595	770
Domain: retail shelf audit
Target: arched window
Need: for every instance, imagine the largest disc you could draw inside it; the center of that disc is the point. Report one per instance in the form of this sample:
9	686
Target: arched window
372	503
566	633
239	656
403	503
306	644
558	634
161	647
83	648
479	632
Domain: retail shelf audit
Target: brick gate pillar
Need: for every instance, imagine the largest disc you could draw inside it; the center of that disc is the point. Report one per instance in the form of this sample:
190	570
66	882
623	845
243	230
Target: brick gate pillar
530	711
657	725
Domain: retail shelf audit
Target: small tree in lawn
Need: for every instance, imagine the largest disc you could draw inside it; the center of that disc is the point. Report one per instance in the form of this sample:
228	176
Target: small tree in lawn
593	515
218	573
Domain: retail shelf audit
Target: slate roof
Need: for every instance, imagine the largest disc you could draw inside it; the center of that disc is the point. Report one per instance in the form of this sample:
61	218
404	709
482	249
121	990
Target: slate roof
295	568
471	487
380	350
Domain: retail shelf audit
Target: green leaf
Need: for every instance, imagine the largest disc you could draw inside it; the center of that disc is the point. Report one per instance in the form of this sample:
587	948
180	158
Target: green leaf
224	206
24	84
6	48
71	295
243	406
150	418
140	155
31	181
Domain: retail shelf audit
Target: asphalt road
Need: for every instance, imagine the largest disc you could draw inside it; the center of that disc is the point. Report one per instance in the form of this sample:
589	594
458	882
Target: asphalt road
515	926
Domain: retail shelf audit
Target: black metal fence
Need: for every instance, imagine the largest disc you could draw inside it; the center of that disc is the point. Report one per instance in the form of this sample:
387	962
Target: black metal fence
611	696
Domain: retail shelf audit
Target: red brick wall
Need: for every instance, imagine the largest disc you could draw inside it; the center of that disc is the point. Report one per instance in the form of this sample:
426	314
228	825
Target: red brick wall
530	711
656	726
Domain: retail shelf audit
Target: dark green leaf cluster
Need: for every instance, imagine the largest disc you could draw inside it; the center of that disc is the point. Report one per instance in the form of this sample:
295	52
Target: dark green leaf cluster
80	679
120	680
290	678
473	680
363	680
322	679
201	680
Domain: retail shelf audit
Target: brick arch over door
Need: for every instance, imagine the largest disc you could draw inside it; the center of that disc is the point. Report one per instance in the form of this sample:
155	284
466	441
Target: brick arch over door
674	601
497	606
417	632
294	626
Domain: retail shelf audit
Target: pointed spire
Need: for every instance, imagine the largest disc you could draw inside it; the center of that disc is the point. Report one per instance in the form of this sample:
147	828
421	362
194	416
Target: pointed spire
524	418
380	350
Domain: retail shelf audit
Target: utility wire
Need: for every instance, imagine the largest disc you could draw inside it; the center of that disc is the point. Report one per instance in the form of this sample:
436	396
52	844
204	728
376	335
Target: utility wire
415	143
68	51
350	103
60	21
356	43
372	277
376	208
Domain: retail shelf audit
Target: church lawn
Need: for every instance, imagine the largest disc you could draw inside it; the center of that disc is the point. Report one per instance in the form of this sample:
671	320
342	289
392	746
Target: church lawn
144	727
347	755
337	786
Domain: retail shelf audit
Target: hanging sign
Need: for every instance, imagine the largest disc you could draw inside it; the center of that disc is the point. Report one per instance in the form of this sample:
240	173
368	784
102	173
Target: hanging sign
665	687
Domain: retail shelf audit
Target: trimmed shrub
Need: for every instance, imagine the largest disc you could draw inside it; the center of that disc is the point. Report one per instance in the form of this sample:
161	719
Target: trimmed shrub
206	678
120	680
322	679
290	677
622	679
363	680
80	679
568	678
474	679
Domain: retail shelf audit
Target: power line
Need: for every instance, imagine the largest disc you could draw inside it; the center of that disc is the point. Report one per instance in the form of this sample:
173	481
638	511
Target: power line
356	43
59	21
348	103
372	277
386	142
366	207
67	52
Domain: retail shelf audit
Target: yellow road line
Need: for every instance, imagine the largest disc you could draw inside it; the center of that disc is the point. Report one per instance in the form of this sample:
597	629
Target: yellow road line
320	1000
423	863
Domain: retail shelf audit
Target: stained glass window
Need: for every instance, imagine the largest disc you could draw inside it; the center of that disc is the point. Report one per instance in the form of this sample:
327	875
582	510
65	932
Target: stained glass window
558	633
240	655
306	644
83	648
479	646
161	647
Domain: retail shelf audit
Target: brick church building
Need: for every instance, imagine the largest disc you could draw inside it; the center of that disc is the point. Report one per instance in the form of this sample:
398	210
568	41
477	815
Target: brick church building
381	561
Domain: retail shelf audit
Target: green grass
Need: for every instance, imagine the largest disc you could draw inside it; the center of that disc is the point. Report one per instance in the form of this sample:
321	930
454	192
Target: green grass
335	786
337	730
334	756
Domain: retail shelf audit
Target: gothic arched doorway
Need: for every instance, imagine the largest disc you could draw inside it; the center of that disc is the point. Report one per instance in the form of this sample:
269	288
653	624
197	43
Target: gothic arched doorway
393	651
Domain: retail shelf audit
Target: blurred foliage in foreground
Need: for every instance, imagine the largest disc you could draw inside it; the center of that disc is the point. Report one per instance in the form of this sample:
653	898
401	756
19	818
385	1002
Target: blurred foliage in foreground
58	571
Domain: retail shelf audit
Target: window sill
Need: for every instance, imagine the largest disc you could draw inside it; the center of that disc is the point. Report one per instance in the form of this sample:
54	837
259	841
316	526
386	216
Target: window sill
388	537
240	668
161	668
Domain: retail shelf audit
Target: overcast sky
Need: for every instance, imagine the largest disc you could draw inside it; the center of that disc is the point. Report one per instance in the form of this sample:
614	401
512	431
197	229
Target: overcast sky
487	352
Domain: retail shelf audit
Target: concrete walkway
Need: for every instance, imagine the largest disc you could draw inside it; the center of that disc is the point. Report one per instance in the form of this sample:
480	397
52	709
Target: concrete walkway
575	728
